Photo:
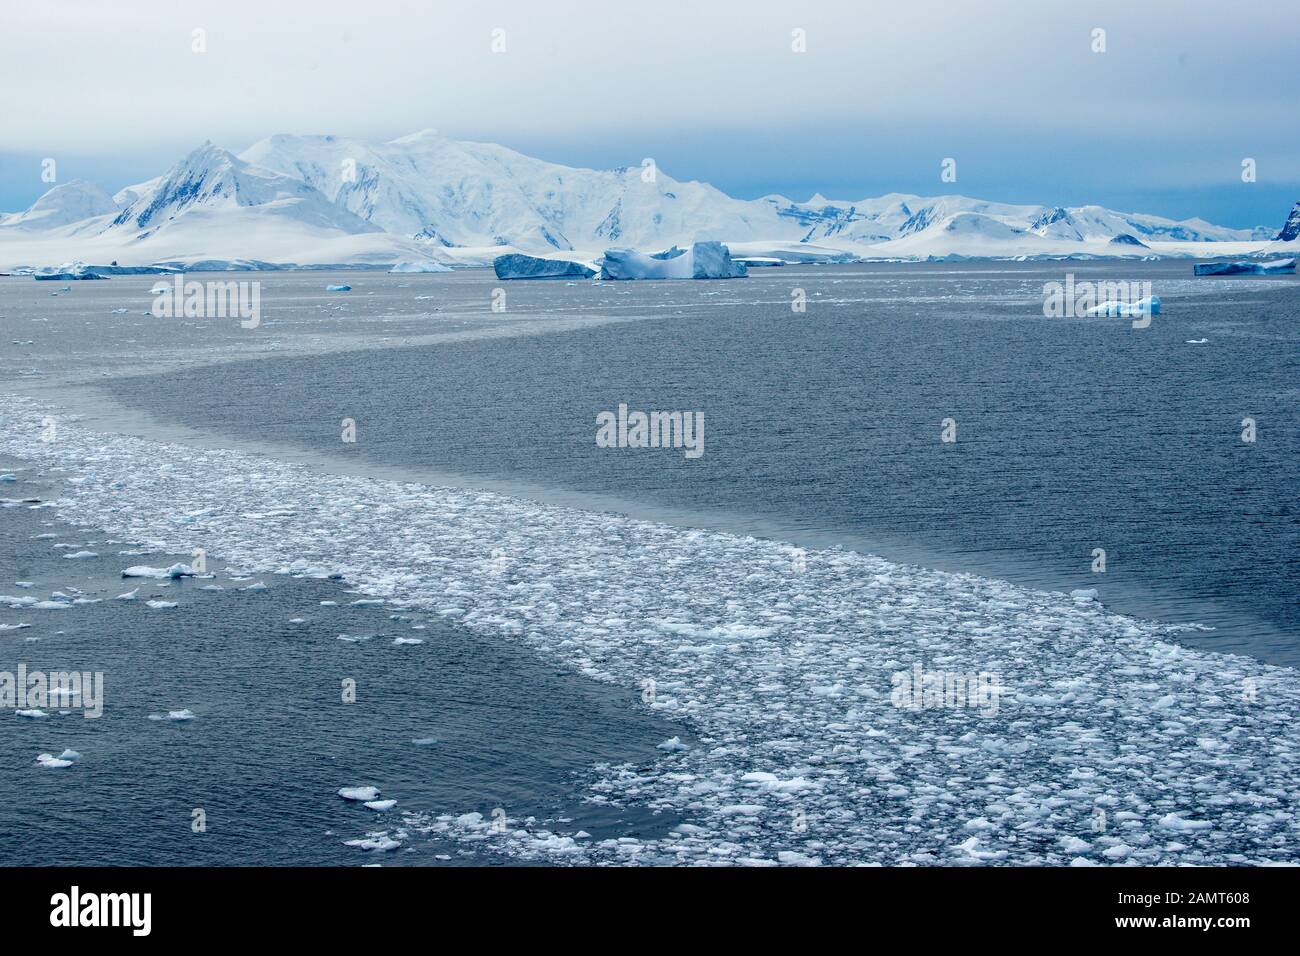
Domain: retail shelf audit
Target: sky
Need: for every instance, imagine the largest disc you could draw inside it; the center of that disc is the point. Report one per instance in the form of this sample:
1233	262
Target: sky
1015	91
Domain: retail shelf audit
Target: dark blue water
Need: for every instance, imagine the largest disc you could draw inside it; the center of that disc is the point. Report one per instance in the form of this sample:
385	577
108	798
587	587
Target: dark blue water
824	427
273	740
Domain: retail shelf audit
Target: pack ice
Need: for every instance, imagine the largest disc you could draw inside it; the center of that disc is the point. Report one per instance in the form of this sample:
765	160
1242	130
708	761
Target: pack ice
1109	744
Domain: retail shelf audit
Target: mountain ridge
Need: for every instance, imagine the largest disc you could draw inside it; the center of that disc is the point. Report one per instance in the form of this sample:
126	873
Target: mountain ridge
455	201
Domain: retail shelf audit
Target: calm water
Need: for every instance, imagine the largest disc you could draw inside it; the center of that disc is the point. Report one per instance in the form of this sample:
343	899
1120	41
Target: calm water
824	427
273	741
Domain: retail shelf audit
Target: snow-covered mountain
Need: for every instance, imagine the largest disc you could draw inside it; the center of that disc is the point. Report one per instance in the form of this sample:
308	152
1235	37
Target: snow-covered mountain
67	203
1291	228
328	199
211	183
477	194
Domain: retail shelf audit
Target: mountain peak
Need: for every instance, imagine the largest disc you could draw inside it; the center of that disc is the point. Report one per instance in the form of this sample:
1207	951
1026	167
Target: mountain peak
1291	228
210	179
416	137
66	203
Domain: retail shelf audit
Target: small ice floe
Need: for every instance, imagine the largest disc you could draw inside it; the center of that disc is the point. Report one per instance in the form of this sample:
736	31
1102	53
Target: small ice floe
176	716
13	627
380	805
7	477
52	762
357	638
673	745
424	741
1172	821
80	556
380	842
128	596
973	849
161	605
297	620
24	584
17	600
50	606
1195	341
212	587
399	641
1083	595
367	602
33	714
360	794
259	586
338	288
329	603
792	858
175	571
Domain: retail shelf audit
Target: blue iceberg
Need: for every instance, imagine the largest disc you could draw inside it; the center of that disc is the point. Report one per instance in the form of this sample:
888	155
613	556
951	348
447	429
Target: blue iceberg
1274	268
518	266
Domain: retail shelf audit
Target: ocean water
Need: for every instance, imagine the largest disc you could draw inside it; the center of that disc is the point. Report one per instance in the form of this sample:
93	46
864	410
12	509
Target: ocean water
590	604
825	427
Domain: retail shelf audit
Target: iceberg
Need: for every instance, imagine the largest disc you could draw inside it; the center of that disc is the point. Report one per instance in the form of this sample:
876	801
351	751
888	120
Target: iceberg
1276	267
1148	306
704	260
518	266
423	266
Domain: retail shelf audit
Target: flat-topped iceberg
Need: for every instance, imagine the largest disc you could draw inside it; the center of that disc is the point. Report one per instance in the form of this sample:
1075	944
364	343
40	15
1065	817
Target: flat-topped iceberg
1276	267
704	260
518	266
1142	307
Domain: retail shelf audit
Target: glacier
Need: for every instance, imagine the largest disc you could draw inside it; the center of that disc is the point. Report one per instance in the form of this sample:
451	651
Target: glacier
68	272
427	265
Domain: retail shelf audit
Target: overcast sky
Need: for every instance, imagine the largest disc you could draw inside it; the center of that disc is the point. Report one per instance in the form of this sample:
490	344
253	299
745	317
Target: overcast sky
1160	122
